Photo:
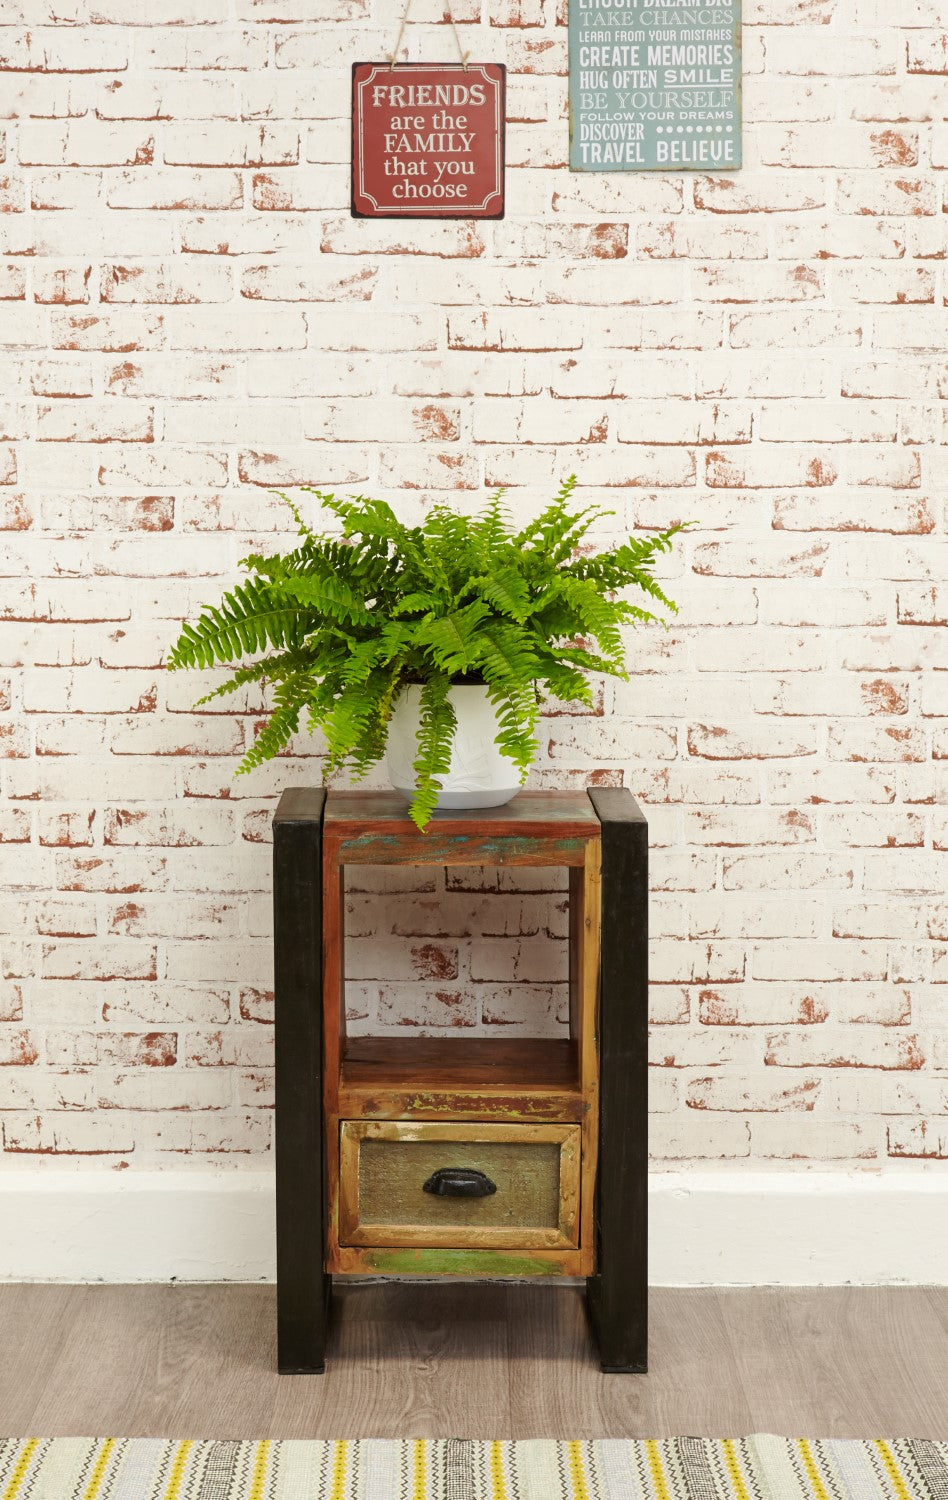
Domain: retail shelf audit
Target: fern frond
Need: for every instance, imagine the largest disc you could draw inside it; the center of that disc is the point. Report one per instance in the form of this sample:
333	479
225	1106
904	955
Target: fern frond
505	654
417	603
510	667
327	596
564	681
251	617
557	542
436	727
590	661
630	564
492	528
508	591
284	721
452	641
371	518
301	525
273	668
350	724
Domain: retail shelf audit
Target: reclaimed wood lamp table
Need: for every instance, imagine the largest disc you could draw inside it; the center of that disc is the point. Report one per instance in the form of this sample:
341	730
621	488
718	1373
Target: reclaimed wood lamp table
462	1156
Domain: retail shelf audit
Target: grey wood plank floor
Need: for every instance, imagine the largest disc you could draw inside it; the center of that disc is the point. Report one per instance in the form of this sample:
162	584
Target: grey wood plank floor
472	1361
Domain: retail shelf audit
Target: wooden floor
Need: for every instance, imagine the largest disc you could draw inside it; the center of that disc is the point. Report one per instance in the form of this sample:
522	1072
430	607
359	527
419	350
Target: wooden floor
471	1361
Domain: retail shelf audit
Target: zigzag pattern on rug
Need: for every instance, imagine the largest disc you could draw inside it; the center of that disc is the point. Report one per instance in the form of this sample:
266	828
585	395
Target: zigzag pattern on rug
753	1468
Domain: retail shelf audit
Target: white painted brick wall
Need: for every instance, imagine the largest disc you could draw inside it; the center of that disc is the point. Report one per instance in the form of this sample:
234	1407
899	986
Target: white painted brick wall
190	315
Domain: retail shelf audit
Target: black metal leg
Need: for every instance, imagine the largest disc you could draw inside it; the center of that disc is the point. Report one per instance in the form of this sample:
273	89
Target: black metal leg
617	1295
303	1286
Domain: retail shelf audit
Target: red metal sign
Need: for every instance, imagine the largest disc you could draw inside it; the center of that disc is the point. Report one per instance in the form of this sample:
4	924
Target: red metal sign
428	140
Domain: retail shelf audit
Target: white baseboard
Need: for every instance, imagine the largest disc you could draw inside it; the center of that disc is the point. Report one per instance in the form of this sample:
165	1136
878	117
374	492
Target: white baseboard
798	1229
707	1229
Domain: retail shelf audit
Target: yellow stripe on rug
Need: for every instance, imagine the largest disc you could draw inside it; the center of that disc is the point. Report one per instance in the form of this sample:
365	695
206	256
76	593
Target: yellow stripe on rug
892	1469
734	1470
576	1472
98	1473
420	1471
498	1483
258	1478
812	1472
653	1452
20	1472
173	1492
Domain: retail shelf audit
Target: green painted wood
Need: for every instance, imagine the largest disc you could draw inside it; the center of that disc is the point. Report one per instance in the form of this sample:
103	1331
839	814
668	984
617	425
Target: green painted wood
655	85
458	1263
440	848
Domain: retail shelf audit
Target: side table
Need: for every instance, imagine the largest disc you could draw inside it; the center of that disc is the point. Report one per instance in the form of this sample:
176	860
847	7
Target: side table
462	1156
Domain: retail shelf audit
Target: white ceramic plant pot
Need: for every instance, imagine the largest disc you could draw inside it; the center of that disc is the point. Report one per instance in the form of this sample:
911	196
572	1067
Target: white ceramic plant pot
479	775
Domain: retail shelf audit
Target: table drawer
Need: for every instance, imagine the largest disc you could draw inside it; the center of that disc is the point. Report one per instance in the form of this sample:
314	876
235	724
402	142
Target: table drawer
459	1185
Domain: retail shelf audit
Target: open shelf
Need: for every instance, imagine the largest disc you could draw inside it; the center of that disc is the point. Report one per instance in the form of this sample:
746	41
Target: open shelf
507	1064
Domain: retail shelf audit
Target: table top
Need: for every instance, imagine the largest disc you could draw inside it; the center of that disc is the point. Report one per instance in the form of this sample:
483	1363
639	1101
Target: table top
537	827
557	810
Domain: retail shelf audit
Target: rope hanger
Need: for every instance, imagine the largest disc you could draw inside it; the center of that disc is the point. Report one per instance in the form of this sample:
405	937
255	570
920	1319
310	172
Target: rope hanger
393	56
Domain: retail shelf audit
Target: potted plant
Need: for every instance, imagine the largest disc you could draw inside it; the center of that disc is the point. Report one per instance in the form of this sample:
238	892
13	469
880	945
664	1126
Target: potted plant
430	641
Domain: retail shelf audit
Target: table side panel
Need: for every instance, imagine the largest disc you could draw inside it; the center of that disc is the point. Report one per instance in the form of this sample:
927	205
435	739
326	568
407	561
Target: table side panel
302	1285
617	1295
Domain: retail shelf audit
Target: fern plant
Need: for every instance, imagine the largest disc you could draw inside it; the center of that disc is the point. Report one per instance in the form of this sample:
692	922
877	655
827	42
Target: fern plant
338	626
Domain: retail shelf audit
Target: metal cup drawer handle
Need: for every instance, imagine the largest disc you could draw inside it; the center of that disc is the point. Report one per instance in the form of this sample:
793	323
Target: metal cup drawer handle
460	1182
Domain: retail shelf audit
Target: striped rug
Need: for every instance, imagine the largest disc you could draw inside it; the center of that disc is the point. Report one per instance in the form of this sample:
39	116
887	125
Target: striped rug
753	1468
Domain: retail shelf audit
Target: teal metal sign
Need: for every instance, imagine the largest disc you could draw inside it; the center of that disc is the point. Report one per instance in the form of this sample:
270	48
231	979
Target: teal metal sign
654	85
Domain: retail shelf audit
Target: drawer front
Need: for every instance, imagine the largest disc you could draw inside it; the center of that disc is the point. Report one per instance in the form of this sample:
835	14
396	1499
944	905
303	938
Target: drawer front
463	1186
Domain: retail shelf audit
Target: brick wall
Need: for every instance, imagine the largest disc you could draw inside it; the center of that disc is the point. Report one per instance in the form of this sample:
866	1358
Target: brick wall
192	316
